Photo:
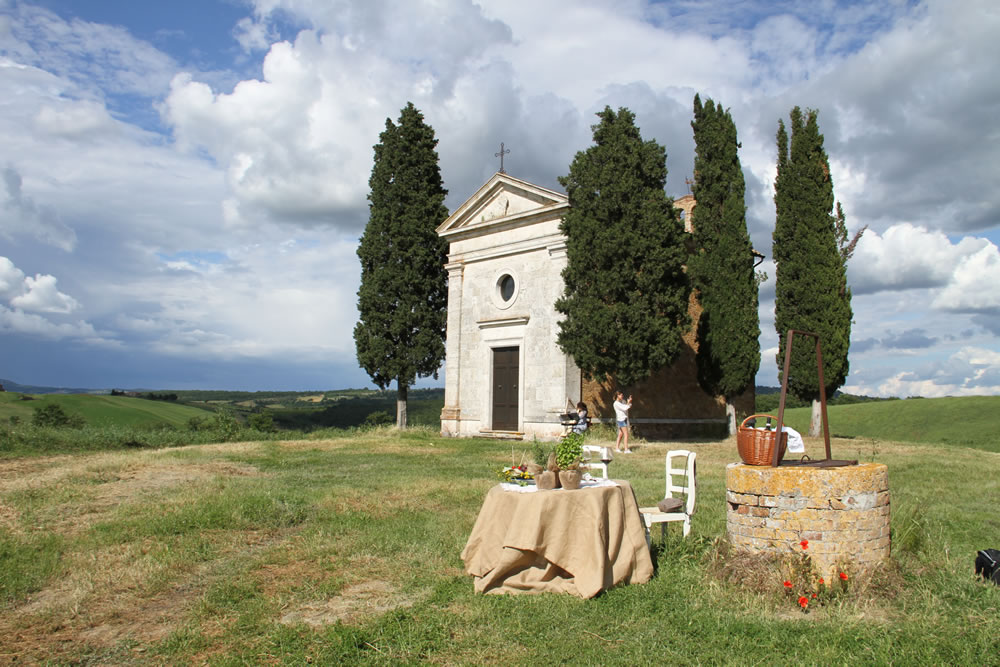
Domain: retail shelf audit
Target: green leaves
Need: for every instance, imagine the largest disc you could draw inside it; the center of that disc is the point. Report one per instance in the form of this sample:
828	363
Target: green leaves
811	274
625	300
722	268
402	300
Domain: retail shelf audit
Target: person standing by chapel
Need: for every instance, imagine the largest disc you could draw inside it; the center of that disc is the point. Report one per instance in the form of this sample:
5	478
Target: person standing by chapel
621	418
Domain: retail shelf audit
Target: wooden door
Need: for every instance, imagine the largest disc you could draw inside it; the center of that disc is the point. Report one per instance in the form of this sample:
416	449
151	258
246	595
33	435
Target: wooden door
505	378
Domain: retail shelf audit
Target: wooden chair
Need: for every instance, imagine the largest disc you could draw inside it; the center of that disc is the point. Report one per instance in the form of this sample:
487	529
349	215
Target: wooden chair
673	508
592	459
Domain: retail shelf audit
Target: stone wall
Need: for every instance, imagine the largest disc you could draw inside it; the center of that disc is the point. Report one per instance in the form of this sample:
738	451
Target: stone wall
843	512
671	404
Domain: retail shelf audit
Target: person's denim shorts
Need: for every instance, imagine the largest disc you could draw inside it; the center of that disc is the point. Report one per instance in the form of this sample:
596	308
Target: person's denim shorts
623	423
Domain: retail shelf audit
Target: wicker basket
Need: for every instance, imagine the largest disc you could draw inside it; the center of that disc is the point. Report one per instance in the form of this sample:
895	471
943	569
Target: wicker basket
757	445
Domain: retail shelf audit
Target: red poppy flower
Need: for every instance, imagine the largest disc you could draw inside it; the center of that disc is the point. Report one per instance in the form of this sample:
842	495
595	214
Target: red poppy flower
843	575
821	582
814	596
803	602
788	584
804	544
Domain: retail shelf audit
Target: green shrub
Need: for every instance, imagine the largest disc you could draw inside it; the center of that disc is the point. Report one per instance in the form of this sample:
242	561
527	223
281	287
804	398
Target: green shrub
261	421
226	425
52	414
378	418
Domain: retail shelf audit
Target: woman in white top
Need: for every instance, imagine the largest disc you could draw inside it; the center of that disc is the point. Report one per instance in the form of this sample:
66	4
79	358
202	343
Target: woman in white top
621	417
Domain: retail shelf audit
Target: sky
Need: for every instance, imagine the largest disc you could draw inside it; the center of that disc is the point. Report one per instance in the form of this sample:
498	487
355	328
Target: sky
183	185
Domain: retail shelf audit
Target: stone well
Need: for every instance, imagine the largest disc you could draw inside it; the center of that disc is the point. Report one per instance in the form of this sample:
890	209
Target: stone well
843	512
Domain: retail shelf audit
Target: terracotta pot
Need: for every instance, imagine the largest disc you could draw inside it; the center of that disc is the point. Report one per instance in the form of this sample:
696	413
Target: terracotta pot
546	480
570	479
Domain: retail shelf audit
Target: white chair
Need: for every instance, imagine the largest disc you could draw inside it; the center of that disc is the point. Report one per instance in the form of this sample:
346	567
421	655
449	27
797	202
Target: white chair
592	459
685	470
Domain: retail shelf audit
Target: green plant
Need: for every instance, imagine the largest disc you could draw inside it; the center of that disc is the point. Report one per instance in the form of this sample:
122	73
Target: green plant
540	452
261	421
52	414
376	419
807	587
569	451
226	424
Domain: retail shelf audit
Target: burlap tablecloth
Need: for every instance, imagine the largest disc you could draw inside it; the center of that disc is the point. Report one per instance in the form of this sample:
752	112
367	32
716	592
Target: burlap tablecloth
580	542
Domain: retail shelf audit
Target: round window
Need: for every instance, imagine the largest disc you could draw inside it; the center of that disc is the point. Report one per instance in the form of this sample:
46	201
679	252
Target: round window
507	286
506	289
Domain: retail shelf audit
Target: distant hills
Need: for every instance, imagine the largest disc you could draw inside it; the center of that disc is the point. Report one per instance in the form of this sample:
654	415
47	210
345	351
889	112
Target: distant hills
10	385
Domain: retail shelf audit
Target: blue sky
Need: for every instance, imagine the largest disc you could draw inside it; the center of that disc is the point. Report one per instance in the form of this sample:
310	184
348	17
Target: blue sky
182	185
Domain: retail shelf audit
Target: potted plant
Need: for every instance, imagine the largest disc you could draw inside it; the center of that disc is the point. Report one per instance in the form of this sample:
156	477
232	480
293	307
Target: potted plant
569	455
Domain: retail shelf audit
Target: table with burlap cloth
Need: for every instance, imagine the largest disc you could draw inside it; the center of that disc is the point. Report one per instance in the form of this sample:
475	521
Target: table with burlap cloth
581	542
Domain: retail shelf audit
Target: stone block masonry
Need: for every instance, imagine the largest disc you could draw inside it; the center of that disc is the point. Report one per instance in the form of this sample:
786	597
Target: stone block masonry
843	512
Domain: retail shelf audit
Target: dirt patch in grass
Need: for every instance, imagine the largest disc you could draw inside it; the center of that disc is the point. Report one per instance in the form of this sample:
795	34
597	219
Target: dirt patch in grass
355	603
9	519
125	592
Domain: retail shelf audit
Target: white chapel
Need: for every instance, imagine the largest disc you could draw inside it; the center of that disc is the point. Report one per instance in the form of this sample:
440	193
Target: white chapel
505	374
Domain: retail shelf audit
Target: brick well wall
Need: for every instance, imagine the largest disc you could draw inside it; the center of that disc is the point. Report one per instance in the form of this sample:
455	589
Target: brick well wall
843	512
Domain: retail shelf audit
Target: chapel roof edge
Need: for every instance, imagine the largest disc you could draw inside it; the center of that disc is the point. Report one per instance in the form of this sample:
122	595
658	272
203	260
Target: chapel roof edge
531	198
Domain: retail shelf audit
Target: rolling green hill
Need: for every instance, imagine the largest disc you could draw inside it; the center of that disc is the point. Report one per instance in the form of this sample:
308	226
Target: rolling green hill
972	421
100	410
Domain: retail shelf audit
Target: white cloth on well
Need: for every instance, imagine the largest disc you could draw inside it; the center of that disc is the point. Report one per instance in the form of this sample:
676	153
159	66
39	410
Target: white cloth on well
795	444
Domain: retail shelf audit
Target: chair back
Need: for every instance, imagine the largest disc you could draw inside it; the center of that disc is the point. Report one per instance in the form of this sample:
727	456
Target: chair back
680	476
592	459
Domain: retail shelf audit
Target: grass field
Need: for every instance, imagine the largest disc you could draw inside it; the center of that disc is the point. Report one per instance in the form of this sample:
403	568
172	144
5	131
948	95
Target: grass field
99	410
346	550
972	421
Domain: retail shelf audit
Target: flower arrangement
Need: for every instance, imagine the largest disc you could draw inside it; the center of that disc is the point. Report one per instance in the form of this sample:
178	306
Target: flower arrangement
519	474
805	587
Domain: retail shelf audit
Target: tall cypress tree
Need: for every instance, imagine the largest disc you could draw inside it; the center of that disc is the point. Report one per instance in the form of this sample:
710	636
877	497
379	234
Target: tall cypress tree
403	296
811	292
626	292
722	266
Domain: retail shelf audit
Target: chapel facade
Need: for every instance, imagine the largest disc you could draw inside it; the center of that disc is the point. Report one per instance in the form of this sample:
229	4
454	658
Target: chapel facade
505	374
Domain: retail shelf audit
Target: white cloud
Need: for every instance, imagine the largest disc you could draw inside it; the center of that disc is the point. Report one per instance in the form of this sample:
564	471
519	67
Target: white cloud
279	298
975	283
21	216
907	256
11	279
970	371
42	296
38	294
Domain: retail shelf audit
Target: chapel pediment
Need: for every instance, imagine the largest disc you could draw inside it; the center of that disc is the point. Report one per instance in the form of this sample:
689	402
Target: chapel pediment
502	201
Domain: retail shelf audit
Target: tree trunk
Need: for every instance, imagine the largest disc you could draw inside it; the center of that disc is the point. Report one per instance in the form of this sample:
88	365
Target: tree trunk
401	404
816	420
731	416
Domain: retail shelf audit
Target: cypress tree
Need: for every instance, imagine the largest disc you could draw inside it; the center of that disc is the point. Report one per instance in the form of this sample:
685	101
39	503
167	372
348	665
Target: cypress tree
626	292
403	296
722	267
811	292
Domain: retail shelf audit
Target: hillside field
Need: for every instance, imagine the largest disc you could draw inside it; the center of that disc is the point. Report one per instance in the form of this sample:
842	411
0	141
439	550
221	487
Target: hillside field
972	421
100	410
